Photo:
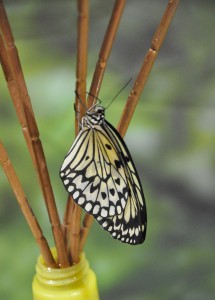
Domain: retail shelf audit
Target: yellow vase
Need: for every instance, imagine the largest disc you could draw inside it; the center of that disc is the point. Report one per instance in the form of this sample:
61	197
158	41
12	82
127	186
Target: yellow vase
73	283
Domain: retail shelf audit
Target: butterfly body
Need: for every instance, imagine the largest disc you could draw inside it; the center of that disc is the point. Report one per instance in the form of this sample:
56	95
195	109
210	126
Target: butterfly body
99	173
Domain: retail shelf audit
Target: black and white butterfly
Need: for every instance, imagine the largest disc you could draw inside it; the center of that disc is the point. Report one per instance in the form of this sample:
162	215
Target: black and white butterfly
99	173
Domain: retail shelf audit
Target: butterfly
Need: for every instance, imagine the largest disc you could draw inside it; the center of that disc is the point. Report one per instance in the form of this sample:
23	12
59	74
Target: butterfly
99	173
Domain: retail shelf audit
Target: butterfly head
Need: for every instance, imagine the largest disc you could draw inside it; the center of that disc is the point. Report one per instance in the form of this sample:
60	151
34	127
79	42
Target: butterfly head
96	115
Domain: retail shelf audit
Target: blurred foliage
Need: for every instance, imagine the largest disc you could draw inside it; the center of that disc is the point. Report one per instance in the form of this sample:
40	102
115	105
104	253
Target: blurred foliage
171	138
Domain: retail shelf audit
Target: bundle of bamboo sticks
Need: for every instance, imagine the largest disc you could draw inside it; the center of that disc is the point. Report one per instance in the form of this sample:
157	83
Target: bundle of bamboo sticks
70	236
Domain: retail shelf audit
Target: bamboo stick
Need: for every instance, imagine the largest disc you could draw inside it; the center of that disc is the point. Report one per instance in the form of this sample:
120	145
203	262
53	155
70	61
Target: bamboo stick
75	234
147	65
13	90
87	223
105	50
97	81
72	216
81	66
25	208
137	89
67	218
81	74
18	90
66	226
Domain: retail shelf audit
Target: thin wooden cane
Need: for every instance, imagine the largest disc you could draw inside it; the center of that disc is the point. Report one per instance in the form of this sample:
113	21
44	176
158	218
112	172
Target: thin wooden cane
66	226
75	234
97	81
29	127
81	66
81	74
12	87
67	217
26	209
138	88
105	50
73	211
149	60
87	223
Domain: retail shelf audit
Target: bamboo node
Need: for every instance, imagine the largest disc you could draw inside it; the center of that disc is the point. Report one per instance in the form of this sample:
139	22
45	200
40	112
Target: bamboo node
102	64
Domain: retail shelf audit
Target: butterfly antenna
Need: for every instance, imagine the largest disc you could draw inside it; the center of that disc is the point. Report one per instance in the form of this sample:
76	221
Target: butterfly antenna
79	99
119	93
88	93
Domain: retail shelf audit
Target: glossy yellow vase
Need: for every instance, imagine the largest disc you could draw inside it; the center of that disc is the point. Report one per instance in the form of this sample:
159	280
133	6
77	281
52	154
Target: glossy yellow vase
73	283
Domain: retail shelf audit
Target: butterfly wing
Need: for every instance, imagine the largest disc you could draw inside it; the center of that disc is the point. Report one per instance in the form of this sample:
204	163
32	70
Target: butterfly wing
130	225
100	174
92	174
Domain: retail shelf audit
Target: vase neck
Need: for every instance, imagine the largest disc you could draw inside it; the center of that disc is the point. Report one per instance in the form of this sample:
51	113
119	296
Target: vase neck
64	276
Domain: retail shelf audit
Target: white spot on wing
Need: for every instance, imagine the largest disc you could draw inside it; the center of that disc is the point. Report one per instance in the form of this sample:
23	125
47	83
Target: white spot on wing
76	194
104	213
125	232
70	188
119	209
131	231
136	231
71	175
110	228
105	224
96	209
81	200
67	171
123	202
88	206
112	210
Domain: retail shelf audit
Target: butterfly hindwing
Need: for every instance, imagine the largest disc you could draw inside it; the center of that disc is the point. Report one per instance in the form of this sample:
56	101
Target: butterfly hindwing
130	225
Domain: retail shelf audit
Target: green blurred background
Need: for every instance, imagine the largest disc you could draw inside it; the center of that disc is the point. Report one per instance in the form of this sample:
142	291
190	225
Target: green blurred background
171	139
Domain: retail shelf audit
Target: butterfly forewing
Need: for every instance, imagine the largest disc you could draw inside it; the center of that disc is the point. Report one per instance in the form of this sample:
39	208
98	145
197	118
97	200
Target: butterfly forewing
90	175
